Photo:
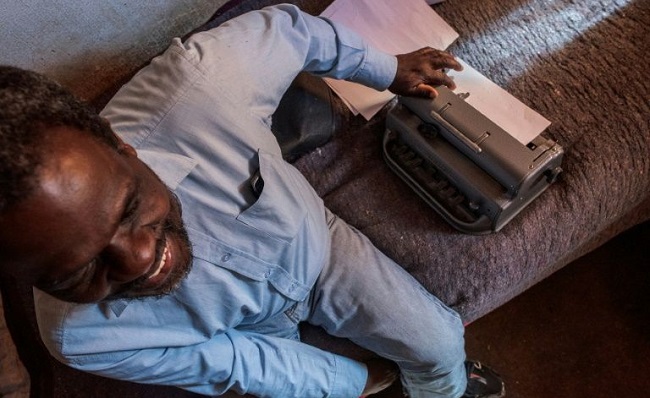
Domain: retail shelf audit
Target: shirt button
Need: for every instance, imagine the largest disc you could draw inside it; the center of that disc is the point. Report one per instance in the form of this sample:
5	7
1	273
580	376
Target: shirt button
225	257
267	274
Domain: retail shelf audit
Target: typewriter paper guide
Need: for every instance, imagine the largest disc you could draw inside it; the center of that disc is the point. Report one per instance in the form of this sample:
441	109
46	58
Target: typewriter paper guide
401	26
498	105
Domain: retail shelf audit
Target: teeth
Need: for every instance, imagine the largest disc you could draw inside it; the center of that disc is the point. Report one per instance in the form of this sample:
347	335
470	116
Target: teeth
161	264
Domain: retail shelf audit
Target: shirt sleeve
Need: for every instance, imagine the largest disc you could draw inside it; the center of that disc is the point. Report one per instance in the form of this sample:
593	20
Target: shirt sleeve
243	362
156	341
258	54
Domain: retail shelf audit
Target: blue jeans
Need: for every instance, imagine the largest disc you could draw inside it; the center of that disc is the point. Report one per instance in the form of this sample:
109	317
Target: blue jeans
364	296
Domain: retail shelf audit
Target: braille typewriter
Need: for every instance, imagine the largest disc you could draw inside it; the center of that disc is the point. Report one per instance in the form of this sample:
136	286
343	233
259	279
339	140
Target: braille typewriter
471	171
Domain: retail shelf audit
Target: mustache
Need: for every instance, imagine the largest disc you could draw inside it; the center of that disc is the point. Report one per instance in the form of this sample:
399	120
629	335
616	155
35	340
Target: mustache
172	225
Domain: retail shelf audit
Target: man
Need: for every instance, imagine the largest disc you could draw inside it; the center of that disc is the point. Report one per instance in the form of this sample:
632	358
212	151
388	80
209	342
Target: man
209	299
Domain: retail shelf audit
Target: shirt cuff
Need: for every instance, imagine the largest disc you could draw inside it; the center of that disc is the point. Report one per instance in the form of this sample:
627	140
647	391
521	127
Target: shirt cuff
378	70
350	378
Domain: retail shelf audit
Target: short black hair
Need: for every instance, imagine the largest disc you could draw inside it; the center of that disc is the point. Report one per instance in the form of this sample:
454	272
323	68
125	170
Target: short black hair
30	105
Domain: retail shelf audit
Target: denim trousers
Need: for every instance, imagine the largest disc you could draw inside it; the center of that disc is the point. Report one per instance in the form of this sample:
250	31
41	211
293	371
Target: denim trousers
364	296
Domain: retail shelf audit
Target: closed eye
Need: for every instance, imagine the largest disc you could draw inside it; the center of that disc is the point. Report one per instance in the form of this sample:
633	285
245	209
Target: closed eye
132	203
131	210
73	281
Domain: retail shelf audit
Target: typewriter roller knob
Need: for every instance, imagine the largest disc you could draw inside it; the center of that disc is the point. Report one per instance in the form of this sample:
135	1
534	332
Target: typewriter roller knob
552	174
428	130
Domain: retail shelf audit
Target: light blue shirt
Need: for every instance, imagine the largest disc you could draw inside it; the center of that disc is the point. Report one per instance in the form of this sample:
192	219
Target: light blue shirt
200	116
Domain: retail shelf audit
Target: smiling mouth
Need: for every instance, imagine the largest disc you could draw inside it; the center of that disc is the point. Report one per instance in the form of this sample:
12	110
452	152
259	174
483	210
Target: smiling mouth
166	256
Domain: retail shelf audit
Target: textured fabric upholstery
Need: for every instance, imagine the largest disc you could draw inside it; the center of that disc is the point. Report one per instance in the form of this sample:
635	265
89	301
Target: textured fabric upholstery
582	64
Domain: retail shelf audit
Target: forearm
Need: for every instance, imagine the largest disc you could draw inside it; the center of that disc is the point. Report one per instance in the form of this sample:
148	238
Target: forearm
260	53
242	362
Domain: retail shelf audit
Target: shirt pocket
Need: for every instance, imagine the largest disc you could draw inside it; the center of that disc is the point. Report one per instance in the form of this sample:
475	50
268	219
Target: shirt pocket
279	210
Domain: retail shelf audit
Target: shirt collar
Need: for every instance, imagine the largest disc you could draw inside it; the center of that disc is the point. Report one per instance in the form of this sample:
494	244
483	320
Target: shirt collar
172	168
116	306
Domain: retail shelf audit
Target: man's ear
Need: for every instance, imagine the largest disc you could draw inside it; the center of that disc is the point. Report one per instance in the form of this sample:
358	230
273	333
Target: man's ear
123	147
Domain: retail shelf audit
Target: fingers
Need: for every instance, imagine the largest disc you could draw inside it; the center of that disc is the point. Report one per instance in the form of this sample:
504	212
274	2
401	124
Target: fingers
440	59
425	90
439	78
428	87
419	72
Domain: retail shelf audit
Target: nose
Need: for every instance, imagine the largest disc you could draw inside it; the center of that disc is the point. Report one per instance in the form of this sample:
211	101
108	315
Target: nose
130	254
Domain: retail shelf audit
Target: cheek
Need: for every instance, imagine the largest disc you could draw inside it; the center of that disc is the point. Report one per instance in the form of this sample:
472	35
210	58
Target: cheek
91	291
91	295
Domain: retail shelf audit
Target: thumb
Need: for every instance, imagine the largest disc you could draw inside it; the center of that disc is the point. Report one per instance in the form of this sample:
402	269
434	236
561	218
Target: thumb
424	90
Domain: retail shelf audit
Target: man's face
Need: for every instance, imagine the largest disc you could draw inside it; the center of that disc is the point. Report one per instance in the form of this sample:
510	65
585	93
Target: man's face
99	225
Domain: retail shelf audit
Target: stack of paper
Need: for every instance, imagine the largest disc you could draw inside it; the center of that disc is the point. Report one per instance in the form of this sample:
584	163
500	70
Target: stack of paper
401	26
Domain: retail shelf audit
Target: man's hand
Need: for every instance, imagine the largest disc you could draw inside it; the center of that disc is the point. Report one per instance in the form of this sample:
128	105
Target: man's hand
381	374
420	71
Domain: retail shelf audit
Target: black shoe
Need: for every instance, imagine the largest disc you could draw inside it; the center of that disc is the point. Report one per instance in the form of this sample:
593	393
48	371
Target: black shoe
482	382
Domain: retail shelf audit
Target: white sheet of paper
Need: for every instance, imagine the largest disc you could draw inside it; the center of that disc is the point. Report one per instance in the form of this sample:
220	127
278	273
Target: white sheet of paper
400	26
498	105
393	26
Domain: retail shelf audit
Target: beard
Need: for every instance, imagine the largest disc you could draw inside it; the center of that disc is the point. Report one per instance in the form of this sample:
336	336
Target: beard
172	229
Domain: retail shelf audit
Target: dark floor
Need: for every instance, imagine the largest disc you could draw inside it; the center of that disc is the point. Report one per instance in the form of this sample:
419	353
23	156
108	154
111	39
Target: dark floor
583	332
